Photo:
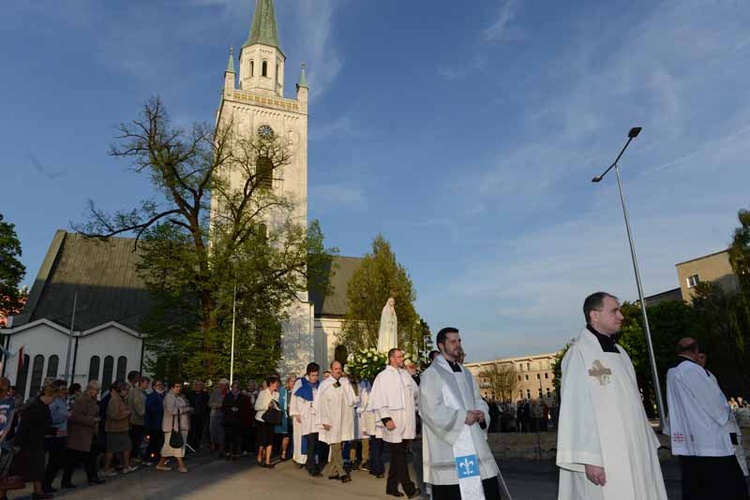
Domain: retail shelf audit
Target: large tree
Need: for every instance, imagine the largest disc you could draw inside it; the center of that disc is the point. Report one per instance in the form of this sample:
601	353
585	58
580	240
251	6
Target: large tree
379	277
12	271
212	251
503	380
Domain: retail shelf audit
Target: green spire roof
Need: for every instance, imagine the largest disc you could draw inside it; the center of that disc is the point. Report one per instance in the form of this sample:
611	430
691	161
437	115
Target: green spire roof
264	30
230	63
303	77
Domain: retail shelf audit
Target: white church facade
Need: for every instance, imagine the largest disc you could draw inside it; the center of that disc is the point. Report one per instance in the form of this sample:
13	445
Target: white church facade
88	300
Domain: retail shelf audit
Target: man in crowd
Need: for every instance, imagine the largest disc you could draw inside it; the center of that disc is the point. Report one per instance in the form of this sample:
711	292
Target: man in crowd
247	417
82	429
302	410
153	421
335	402
137	407
606	448
54	441
458	462
702	430
393	400
198	400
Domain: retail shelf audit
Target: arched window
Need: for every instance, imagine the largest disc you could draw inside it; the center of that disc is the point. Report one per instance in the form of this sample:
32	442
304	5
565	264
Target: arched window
37	372
264	69
527	377
265	172
22	376
549	393
519	378
122	367
52	366
94	368
546	375
252	68
109	364
528	394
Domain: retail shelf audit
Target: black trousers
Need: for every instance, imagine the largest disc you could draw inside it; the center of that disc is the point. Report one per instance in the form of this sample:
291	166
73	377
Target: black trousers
398	472
453	492
155	442
75	457
137	432
195	435
311	441
55	447
710	478
232	439
376	456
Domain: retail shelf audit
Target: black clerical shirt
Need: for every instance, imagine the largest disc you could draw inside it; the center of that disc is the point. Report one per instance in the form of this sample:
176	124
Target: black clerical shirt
454	366
606	341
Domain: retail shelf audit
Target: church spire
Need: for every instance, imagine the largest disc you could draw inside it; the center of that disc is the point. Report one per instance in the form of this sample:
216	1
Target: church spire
303	77
230	63
263	29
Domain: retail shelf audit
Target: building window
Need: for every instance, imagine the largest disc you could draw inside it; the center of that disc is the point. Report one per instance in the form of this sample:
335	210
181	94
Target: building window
549	393
122	367
22	376
692	281
546	375
37	372
528	394
94	368
528	367
540	392
527	377
109	365
538	377
252	68
264	69
265	172
520	394
52	365
519	378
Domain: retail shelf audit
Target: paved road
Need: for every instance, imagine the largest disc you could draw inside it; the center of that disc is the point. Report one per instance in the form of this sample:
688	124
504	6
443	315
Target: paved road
211	478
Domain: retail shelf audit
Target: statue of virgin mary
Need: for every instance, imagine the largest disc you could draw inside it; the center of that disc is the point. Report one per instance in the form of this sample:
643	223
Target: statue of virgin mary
388	331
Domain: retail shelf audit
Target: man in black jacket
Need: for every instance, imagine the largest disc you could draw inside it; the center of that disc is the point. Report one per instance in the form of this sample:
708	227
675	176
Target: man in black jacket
198	399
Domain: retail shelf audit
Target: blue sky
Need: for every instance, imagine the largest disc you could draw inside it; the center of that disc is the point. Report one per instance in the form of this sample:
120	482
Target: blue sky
465	132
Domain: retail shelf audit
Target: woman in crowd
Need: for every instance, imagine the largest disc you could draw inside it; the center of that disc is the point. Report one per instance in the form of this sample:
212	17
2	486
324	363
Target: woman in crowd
233	421
35	420
216	419
176	419
117	427
284	429
267	398
82	429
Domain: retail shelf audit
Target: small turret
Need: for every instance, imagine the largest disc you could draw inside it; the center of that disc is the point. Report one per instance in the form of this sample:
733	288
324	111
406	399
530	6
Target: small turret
303	90
229	73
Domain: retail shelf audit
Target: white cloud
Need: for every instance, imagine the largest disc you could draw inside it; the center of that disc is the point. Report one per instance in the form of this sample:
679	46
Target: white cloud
337	196
342	126
457	72
501	29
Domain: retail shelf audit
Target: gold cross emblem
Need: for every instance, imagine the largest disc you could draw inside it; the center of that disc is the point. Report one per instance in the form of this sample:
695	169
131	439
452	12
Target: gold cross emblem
600	372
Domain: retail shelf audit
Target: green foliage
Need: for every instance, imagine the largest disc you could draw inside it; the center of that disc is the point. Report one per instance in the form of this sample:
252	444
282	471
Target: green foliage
12	271
365	364
557	369
379	277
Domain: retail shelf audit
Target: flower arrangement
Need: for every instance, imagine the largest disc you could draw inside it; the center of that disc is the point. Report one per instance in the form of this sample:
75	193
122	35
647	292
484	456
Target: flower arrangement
365	364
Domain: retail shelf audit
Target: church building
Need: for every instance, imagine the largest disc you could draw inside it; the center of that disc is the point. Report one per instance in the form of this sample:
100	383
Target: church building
84	310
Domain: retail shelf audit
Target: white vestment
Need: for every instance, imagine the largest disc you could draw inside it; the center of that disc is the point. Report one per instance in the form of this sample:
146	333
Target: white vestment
444	399
700	419
334	407
394	395
603	423
360	425
305	410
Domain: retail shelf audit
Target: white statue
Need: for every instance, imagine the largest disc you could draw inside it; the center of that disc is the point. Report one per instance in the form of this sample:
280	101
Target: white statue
388	331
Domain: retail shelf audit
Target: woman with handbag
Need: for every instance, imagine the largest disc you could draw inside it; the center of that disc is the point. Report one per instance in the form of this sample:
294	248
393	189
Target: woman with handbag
267	417
175	424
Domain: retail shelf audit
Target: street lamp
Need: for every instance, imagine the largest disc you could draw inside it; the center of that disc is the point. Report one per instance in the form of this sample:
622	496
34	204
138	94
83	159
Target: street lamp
234	320
657	387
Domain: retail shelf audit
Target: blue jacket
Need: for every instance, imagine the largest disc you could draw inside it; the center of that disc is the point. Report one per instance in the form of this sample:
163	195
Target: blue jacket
154	410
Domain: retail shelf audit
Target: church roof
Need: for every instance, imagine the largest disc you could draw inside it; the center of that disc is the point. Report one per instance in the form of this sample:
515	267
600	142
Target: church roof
336	303
103	275
230	63
263	29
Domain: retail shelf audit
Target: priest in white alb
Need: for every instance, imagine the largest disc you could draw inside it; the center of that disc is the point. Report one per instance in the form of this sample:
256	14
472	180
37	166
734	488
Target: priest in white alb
335	408
302	411
457	460
394	399
606	448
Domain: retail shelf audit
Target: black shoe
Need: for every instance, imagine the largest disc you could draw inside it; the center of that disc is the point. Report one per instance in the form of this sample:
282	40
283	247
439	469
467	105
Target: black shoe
316	473
346	479
94	482
68	486
49	489
380	476
416	493
394	493
335	478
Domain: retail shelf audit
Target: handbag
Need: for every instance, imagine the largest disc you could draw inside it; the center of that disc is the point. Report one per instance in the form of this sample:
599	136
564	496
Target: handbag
272	415
175	438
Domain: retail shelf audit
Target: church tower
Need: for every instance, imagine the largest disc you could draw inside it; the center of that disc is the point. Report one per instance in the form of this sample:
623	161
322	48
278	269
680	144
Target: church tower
254	104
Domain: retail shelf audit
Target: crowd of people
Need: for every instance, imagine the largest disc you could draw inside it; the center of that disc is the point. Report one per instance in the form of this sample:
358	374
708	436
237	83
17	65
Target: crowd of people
329	423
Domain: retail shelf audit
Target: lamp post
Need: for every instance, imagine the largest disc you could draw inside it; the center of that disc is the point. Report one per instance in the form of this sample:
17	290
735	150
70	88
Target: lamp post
234	320
657	387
